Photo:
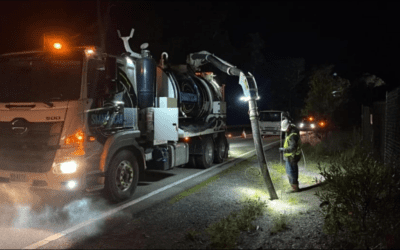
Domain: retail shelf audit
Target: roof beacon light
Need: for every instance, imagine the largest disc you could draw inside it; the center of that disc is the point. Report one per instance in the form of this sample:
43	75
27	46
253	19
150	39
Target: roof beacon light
90	51
57	45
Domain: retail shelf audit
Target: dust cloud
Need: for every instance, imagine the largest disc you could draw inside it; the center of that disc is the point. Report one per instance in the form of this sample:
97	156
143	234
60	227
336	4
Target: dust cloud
27	209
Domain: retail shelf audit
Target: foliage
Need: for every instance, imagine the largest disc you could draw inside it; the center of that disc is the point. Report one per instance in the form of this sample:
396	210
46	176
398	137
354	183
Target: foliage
192	235
331	147
371	80
327	92
360	198
280	223
225	232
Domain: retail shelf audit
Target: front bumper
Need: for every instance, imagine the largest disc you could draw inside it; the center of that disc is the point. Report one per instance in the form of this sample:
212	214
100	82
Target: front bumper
47	180
263	132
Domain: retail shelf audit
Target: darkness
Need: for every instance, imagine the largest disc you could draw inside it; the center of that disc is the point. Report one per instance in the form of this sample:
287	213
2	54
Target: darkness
272	40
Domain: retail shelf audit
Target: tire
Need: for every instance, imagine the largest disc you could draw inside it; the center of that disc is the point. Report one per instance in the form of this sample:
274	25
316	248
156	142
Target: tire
192	161
206	159
122	176
221	148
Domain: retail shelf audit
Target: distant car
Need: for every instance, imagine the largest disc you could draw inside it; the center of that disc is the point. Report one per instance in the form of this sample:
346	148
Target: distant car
307	124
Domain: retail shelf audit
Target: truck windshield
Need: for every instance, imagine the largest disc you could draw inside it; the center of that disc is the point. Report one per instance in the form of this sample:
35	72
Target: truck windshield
270	116
38	79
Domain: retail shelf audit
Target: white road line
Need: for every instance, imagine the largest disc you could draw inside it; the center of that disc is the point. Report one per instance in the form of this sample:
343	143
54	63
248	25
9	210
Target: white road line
115	210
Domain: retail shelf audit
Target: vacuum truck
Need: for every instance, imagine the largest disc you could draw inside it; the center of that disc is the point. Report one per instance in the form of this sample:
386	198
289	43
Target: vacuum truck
79	119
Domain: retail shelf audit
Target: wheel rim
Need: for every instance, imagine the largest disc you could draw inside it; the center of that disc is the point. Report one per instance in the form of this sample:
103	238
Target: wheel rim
124	176
209	153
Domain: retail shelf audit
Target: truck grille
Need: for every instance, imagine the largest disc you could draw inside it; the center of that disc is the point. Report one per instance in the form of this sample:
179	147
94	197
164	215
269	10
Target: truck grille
29	150
271	128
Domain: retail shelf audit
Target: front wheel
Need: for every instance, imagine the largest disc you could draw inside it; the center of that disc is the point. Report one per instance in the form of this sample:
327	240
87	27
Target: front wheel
122	176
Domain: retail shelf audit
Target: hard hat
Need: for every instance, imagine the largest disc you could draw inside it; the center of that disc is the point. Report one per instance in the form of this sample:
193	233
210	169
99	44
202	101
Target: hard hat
285	125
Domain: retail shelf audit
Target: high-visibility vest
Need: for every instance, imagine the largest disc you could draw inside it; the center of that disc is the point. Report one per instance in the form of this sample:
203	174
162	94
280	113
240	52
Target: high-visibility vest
297	151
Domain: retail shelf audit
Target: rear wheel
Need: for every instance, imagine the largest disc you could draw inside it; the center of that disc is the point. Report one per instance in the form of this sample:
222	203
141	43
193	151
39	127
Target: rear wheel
205	160
122	176
192	161
221	148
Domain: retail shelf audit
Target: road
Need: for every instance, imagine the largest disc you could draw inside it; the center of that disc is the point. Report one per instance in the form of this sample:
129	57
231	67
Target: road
45	220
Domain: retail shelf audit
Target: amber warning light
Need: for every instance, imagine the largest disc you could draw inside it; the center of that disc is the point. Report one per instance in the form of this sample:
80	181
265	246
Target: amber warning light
57	45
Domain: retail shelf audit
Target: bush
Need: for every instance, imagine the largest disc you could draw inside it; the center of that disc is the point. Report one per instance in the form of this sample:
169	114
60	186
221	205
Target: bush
334	144
361	198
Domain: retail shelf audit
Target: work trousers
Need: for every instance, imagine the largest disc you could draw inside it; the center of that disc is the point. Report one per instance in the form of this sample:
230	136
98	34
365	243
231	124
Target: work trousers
292	171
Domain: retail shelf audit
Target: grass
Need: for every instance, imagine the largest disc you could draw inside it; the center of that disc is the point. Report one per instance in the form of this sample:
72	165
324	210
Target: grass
293	200
238	167
194	189
280	223
306	179
280	168
225	233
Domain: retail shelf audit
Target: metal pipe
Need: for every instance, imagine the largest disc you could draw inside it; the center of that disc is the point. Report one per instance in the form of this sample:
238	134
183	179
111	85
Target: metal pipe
223	92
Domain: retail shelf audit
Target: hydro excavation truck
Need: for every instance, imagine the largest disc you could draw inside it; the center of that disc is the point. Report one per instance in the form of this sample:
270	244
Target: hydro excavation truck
79	119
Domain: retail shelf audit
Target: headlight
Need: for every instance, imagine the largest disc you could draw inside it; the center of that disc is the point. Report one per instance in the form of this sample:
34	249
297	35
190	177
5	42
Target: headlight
312	125
68	167
72	184
301	125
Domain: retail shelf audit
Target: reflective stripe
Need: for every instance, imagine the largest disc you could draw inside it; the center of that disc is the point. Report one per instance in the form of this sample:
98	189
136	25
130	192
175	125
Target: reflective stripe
286	145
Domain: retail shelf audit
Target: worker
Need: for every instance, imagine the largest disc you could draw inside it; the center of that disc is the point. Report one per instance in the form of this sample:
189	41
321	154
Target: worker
291	153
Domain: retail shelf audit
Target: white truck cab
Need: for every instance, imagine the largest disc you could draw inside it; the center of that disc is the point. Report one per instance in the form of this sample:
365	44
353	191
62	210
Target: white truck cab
270	122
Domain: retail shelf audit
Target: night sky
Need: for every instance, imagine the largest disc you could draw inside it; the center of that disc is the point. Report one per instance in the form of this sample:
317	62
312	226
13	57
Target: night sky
357	37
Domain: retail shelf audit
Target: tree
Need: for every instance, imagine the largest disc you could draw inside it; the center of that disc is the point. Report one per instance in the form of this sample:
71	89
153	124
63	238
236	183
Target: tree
327	92
367	88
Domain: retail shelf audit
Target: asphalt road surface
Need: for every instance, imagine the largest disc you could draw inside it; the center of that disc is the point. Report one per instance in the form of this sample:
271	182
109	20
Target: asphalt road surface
32	219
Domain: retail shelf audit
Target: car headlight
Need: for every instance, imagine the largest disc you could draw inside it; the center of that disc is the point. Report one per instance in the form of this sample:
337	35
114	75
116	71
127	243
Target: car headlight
68	167
301	125
312	125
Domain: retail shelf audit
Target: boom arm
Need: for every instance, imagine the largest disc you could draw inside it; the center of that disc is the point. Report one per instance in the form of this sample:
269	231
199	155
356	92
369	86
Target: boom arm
250	92
248	83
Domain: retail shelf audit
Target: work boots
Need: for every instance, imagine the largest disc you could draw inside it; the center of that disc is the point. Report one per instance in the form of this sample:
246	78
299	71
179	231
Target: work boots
295	189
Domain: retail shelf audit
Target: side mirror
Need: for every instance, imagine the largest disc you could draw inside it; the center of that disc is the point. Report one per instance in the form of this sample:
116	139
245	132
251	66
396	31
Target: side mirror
111	68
